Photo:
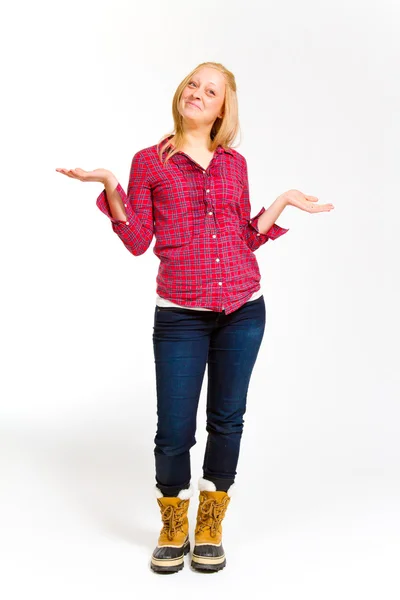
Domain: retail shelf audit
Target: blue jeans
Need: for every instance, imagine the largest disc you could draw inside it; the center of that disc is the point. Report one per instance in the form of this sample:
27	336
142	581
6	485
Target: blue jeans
184	341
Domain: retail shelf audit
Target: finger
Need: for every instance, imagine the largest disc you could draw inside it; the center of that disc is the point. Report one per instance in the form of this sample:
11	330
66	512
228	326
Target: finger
320	208
311	198
65	172
79	173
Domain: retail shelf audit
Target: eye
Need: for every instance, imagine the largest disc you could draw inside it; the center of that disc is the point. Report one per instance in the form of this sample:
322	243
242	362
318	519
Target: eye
212	91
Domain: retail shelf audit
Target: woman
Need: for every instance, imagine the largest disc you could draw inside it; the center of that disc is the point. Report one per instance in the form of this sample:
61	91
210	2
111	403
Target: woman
191	191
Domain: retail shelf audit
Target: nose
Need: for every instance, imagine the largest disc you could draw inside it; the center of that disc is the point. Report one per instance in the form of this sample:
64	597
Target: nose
195	93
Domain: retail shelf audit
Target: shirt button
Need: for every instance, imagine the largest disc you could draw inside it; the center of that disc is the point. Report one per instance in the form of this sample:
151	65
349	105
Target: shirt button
127	223
217	260
214	235
219	282
125	205
210	213
258	234
207	191
203	171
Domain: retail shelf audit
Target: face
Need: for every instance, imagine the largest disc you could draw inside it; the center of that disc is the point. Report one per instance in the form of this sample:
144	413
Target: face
203	97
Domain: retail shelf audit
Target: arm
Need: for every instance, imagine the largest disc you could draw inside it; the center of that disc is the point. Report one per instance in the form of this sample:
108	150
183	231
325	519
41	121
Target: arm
136	229
257	230
114	200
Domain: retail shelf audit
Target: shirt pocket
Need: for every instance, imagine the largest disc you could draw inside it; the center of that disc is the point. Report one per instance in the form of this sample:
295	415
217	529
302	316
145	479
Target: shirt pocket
230	185
173	216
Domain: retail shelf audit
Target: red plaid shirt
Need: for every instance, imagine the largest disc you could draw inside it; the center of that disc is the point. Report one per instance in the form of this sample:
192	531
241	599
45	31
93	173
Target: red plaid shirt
205	238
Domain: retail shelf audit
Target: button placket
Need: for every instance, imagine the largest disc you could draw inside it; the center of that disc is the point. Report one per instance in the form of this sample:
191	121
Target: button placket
210	213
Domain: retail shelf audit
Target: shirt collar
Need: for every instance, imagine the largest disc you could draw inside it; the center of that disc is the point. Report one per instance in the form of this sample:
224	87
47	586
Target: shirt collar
218	149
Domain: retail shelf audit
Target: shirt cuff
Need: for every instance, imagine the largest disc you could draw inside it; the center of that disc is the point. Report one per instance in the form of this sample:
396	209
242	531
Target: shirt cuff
273	232
102	204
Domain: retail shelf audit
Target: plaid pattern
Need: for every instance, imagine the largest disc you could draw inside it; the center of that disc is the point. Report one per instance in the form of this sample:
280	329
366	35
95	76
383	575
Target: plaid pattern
205	238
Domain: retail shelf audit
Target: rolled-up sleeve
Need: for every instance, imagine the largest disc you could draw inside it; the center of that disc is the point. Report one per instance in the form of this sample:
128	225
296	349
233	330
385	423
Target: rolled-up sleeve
137	231
249	225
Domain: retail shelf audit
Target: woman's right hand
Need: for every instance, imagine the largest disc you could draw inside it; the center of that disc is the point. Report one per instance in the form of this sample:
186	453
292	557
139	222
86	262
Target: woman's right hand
100	175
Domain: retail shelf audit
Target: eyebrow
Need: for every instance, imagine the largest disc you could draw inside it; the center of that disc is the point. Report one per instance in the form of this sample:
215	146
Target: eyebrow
212	83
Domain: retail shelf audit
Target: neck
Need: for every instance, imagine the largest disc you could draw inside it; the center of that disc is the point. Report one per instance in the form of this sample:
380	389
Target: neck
197	139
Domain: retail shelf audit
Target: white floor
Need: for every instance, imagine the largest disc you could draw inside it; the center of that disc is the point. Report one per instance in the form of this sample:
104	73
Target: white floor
79	520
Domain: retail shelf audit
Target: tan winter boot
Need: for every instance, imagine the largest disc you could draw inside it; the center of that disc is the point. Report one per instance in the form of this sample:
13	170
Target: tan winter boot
208	553
173	542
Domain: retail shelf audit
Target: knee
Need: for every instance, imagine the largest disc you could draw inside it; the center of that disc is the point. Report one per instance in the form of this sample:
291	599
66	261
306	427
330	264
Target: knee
173	446
225	427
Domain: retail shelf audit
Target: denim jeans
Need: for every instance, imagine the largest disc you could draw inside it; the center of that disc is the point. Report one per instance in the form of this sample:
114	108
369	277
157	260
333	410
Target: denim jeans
184	342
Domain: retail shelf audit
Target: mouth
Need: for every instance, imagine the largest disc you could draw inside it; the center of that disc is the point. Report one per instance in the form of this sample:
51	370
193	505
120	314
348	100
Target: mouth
192	104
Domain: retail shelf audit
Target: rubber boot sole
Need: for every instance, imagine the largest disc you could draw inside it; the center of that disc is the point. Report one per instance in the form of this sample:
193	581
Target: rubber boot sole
170	565
208	564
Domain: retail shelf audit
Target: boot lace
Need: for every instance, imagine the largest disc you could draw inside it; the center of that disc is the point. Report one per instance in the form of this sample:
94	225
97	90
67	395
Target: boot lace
173	518
211	514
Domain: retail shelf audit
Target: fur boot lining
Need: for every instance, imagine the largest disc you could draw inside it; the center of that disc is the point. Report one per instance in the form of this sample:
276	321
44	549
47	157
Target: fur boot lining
186	494
209	486
183	494
231	490
206	485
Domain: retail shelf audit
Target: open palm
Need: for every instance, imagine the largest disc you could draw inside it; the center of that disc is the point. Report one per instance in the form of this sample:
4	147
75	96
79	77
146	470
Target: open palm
99	175
305	202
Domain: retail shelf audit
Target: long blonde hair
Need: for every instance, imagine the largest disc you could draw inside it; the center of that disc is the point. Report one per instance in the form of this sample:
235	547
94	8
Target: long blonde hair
223	131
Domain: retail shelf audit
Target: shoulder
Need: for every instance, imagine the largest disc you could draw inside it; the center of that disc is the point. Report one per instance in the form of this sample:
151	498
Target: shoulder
234	152
145	153
150	154
240	159
147	157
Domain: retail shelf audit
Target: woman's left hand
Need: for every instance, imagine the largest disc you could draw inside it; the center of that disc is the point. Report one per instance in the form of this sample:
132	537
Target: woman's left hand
304	202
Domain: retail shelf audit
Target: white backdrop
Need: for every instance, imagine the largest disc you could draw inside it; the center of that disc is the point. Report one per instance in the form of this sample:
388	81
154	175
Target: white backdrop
88	84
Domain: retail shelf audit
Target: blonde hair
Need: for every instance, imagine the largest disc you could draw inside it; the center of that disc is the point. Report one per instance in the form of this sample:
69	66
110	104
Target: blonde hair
224	129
